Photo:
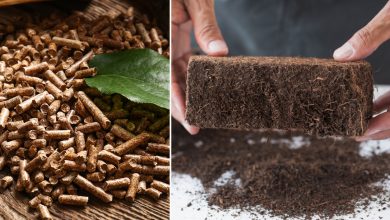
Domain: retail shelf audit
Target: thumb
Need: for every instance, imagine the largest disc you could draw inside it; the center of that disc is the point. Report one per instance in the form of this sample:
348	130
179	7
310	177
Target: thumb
207	32
367	39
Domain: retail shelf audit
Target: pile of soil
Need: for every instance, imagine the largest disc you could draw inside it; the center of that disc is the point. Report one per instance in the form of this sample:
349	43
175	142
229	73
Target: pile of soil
318	96
326	177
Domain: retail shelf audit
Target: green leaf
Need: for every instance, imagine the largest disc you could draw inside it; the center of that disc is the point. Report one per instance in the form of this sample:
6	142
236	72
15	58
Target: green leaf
141	75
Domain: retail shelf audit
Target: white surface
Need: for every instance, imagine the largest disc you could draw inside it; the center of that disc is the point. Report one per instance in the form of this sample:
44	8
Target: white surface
189	198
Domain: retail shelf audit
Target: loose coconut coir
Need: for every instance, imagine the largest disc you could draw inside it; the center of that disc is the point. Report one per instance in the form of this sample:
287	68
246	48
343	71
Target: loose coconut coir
324	177
319	96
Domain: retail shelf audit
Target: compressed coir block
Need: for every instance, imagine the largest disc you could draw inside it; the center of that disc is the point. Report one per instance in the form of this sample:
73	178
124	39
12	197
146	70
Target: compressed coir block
319	96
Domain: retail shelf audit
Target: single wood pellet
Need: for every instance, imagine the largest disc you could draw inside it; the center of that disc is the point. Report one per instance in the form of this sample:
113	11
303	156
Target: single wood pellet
94	110
45	200
109	157
160	186
154	193
131	144
141	187
158	148
94	190
6	181
96	176
133	187
34	202
44	212
60	137
116	184
73	200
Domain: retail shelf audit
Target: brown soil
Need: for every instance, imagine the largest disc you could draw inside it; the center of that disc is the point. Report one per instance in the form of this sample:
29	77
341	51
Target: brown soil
327	177
319	96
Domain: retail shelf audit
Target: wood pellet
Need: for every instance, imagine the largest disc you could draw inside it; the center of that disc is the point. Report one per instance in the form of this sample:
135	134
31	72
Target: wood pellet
60	137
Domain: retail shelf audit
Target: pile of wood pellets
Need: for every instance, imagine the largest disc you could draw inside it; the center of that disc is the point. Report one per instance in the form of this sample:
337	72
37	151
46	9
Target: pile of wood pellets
59	137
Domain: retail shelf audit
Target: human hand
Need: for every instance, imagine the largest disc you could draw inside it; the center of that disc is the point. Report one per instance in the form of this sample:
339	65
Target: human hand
186	14
362	44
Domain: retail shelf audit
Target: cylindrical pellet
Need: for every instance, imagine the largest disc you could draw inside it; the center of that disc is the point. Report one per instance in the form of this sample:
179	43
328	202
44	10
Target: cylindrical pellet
94	110
96	176
6	181
133	187
158	148
4	114
160	186
73	166
116	184
54	90
57	134
154	193
131	144
36	162
73	200
44	212
68	43
81	74
10	103
35	69
109	157
121	133
94	190
89	127
53	78
80	141
27	104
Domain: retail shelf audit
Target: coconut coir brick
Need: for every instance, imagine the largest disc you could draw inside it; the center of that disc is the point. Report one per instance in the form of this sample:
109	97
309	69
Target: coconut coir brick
324	177
319	96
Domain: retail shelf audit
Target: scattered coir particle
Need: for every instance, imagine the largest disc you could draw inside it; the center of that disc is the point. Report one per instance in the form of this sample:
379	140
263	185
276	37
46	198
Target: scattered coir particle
326	177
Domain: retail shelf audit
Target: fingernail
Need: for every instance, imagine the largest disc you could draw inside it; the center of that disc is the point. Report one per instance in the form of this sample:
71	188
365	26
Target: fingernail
191	129
344	51
370	132
217	47
362	138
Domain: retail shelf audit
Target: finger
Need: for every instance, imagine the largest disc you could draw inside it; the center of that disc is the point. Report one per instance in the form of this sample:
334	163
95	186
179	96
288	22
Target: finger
367	39
179	12
207	32
179	70
178	108
191	129
181	39
378	124
382	102
178	76
376	136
